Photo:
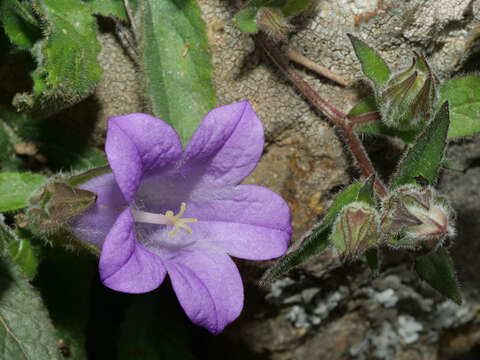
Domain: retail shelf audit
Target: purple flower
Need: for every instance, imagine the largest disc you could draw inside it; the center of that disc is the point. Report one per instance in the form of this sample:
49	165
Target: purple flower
133	220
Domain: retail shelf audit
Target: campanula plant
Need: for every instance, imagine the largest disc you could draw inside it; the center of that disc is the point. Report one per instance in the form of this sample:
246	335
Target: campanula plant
182	212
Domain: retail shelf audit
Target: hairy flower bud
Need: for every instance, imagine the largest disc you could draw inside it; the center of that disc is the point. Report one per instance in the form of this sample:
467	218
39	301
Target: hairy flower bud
408	97
273	23
418	213
55	203
355	229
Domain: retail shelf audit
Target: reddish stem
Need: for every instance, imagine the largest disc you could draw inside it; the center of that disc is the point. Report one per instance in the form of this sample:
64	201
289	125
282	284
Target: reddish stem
365	118
340	119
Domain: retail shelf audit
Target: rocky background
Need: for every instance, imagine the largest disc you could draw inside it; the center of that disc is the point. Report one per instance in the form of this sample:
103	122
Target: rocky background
322	310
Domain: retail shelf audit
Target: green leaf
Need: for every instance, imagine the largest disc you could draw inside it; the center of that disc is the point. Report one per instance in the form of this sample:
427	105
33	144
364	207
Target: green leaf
437	270
424	157
62	147
245	18
67	68
176	66
290	7
373	66
20	25
463	95
142	336
16	188
23	252
114	8
26	332
65	281
317	241
372	260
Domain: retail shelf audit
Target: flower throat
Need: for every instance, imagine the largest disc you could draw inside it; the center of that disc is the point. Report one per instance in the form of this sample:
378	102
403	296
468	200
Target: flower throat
168	219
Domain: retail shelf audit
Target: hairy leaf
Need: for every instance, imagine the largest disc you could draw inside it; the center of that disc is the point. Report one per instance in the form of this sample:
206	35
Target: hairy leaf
176	66
315	242
26	332
23	252
436	269
114	8
373	66
463	95
18	22
245	18
424	157
67	68
16	188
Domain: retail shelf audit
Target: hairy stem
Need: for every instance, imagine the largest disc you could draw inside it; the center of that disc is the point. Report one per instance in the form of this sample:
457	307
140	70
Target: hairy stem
339	119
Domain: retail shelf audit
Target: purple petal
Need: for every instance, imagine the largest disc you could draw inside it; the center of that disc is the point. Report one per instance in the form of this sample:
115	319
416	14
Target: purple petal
208	286
248	221
137	144
227	145
126	265
94	224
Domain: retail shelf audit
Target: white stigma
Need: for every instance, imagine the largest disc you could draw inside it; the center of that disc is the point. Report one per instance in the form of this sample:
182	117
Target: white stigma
168	219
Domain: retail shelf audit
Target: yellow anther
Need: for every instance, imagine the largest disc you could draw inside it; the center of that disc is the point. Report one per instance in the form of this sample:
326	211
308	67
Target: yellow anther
177	221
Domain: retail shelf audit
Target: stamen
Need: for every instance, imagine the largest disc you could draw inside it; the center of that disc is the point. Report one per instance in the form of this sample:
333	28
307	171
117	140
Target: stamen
168	219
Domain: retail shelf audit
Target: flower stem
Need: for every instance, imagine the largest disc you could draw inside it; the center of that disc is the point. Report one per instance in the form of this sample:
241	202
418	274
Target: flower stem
339	119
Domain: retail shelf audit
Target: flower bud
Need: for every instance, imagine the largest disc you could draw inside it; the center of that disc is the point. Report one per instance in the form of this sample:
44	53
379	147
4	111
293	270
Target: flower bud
55	203
418	213
355	229
273	23
408	97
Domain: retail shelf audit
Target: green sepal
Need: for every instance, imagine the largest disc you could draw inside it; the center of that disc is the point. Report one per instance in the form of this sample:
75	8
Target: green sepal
176	65
366	193
16	188
52	205
373	260
437	270
463	96
377	127
373	66
315	242
424	157
245	18
79	179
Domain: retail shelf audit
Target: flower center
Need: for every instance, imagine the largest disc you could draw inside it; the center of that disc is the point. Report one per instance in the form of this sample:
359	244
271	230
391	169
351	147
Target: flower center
167	219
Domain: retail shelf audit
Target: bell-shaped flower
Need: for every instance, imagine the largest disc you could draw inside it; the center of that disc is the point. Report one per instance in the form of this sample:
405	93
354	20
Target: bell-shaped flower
163	210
